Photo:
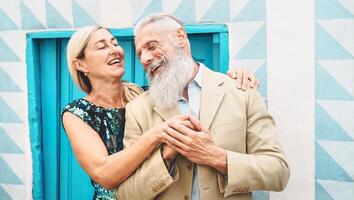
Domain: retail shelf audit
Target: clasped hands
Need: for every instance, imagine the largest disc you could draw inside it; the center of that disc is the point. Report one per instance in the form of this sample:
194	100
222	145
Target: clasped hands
184	134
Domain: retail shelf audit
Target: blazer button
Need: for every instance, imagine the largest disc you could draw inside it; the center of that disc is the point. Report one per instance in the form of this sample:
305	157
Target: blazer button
186	197
155	189
236	190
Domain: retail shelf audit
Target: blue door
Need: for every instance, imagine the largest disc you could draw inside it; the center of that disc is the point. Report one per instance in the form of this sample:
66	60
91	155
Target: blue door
61	175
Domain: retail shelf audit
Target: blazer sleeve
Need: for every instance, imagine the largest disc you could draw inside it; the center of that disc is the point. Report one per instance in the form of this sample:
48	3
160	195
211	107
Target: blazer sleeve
152	177
263	167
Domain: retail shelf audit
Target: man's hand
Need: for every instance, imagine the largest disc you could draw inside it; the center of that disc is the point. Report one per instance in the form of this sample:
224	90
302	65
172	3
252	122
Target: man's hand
160	130
196	145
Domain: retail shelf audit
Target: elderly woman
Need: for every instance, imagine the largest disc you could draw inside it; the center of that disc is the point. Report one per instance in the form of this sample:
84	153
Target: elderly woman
95	124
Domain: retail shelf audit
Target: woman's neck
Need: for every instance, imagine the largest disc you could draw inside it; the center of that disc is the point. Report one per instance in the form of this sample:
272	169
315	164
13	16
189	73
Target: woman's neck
108	95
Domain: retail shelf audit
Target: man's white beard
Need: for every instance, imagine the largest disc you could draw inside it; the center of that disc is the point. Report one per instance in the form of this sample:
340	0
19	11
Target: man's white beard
166	87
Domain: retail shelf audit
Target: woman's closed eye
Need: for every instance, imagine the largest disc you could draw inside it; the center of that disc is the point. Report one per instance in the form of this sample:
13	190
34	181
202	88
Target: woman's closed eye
101	46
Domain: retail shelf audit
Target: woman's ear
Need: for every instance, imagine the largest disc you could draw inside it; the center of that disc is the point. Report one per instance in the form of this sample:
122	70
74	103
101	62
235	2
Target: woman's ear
79	65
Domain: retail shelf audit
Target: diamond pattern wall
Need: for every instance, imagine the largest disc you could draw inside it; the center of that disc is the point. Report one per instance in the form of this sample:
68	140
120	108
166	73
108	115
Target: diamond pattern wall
334	113
247	22
250	49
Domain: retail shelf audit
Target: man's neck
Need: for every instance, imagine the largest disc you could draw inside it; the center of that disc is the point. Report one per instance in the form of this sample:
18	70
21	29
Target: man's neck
195	71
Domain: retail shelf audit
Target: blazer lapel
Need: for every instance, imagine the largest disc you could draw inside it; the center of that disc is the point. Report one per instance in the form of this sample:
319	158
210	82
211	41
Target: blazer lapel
211	97
168	113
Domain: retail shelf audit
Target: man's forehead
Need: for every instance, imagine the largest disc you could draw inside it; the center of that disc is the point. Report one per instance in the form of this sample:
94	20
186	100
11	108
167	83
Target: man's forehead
149	29
147	34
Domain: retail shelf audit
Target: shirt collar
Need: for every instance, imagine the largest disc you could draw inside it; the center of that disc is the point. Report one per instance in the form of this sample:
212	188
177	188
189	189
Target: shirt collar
197	79
198	76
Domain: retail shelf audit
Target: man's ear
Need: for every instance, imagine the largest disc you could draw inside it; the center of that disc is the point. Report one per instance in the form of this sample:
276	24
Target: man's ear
182	37
79	65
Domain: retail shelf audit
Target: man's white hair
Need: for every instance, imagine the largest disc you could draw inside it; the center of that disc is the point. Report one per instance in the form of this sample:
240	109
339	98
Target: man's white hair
166	22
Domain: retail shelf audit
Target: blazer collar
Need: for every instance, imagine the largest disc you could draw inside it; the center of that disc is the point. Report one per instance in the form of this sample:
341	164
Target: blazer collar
167	113
211	96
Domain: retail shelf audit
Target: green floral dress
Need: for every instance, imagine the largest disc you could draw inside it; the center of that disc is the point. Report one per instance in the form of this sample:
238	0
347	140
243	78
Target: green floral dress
109	124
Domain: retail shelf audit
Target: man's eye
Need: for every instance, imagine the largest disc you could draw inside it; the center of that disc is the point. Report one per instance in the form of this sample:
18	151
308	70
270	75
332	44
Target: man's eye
152	46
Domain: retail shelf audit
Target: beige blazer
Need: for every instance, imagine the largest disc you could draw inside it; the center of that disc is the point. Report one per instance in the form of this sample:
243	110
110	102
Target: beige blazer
239	123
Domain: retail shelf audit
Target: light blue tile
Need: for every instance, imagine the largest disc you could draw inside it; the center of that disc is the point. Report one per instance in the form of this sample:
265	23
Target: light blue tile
327	47
260	195
255	10
261	75
7	114
327	88
7	176
7	145
328	129
256	47
331	9
6	22
219	11
4	195
339	190
321	193
342	153
186	11
6	83
54	18
154	6
327	168
7	54
81	17
28	20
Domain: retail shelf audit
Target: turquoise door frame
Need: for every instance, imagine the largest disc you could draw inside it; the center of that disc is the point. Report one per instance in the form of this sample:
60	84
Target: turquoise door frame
45	102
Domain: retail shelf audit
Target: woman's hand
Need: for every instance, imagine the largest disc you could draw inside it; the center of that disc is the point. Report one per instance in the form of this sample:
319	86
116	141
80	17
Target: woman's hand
244	78
158	130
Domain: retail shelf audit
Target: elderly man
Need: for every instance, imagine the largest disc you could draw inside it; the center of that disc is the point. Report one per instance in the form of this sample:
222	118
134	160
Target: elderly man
226	151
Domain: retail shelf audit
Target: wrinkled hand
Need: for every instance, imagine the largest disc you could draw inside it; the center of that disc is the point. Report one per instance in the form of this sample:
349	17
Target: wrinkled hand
161	129
196	145
244	78
168	152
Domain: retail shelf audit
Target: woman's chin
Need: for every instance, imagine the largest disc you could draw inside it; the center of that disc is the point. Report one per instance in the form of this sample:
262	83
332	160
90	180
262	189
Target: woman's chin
117	72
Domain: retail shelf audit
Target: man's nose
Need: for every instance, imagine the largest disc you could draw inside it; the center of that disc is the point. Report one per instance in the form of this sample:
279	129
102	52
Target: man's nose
146	57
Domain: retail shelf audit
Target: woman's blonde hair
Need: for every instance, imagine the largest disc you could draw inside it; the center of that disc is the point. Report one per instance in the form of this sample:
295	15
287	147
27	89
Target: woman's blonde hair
131	91
76	50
